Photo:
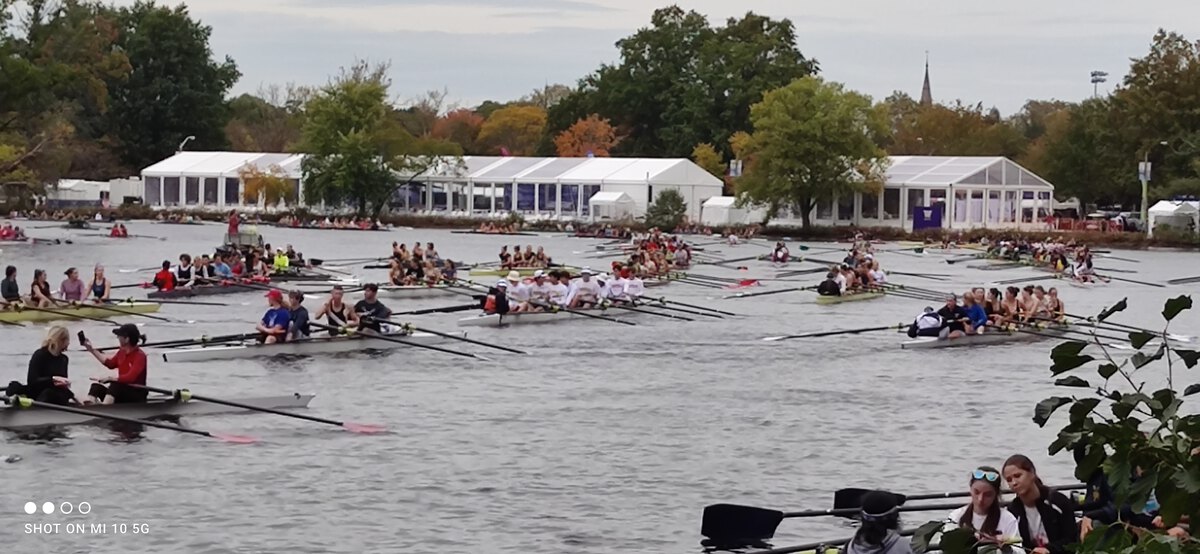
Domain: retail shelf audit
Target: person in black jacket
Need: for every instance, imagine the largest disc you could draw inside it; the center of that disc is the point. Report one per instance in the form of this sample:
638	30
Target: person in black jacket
47	379
1045	518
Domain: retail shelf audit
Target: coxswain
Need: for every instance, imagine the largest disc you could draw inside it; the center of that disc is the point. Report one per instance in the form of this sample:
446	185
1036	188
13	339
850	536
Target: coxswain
130	363
99	288
496	300
370	310
72	288
184	273
519	293
830	286
298	326
585	292
336	312
47	378
781	254
274	325
281	262
39	291
10	289
164	280
928	324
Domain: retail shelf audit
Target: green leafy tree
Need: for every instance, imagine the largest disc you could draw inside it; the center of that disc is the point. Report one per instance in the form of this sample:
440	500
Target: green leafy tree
516	129
358	154
812	141
709	159
269	121
175	90
667	211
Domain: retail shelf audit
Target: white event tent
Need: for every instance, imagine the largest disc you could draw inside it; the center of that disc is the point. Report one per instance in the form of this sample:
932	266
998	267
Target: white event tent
212	179
1181	215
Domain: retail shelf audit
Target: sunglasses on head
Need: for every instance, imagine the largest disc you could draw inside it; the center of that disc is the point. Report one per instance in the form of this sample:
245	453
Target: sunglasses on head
986	475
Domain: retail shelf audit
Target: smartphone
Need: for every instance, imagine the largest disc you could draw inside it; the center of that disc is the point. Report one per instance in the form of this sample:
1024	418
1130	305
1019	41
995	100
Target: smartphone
82	339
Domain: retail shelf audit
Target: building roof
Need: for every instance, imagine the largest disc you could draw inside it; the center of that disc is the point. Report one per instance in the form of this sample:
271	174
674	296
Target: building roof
993	171
212	164
610	199
720	202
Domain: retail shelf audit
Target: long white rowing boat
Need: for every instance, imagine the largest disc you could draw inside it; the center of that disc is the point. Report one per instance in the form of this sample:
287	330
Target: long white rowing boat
27	418
308	347
527	318
990	337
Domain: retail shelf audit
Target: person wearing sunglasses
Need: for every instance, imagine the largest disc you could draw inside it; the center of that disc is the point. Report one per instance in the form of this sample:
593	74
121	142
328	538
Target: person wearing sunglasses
880	516
1045	518
984	516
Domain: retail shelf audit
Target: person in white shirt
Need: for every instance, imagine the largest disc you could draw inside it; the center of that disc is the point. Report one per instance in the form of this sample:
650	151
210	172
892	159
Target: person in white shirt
518	293
840	278
616	288
585	292
558	290
991	523
634	287
539	291
877	275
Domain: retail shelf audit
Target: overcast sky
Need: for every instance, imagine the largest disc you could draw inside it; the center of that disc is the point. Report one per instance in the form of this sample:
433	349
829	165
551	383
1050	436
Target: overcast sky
1000	53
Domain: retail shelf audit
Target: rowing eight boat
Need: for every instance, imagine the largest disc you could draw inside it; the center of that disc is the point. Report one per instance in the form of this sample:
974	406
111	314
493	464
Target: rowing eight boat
523	271
307	347
992	336
416	291
25	418
527	318
83	311
853	297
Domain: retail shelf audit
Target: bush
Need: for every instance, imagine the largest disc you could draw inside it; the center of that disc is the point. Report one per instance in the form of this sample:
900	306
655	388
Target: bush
667	211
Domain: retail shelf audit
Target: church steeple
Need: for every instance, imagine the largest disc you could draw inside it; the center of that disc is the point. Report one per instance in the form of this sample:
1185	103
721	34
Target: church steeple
926	95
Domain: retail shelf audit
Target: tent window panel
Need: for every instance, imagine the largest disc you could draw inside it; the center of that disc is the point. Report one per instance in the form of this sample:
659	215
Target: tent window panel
825	209
937	196
960	206
547	198
210	190
891	203
1008	212
870	206
995	174
916	199
483	199
845	208
153	191
977	206
570	198
171	191
980	178
588	192
525	193
232	197
193	191
993	206
1044	205
504	198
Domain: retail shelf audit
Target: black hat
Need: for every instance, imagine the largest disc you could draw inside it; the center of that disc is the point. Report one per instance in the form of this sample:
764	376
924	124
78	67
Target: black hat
878	504
129	331
371	287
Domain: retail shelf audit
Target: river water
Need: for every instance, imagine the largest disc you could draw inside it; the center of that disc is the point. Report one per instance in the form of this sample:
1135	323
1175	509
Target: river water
606	438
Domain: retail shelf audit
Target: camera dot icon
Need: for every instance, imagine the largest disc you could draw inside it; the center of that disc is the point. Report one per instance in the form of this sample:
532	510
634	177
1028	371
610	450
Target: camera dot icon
48	508
30	507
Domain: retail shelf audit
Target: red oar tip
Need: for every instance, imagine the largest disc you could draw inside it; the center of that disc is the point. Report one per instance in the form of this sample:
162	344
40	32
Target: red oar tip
364	428
235	439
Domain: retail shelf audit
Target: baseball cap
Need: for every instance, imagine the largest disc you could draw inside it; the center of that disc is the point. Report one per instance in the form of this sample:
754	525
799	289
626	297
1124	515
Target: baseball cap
274	294
586	271
539	273
502	284
129	331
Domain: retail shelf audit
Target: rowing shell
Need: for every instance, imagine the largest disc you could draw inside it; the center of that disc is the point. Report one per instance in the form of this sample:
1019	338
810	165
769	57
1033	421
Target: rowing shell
307	347
82	310
991	337
523	271
855	297
26	418
415	291
528	318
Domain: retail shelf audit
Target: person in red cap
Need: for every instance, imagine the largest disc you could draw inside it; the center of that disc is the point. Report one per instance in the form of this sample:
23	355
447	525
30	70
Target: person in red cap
130	363
274	325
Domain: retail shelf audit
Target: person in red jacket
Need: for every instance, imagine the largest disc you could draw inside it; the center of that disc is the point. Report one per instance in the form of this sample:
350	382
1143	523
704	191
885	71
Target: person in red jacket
130	363
165	279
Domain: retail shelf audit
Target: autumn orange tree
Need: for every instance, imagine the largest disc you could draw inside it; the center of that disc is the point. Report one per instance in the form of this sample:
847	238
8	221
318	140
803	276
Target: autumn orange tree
460	126
271	185
591	135
515	129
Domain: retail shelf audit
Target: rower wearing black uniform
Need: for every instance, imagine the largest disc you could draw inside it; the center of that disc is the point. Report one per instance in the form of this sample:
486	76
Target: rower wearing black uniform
370	310
10	289
206	272
953	316
183	273
830	286
335	312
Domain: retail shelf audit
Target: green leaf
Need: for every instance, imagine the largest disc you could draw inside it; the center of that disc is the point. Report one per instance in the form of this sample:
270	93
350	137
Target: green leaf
1115	396
1072	381
1068	349
958	541
1082	408
1140	360
1067	363
1189	357
1139	493
925	534
1191	389
1139	338
1095	456
1118	307
1188	479
1107	370
1047	407
1122	409
1176	305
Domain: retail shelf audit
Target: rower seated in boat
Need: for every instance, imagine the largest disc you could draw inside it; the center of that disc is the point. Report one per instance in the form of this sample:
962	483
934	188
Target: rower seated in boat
977	318
954	318
371	312
928	324
72	288
496	300
519	293
274	325
281	261
99	288
10	289
39	292
635	287
130	363
184	273
615	288
298	327
830	286
540	292
781	254
47	378
585	292
335	312
164	280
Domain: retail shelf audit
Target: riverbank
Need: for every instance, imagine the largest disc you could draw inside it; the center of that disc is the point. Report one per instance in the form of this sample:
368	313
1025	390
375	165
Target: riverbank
1132	241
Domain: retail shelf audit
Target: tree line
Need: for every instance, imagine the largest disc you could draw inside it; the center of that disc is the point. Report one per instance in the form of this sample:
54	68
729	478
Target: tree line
97	92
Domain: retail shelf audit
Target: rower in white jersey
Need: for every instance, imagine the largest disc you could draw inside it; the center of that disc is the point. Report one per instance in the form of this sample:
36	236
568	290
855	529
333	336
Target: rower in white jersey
634	288
616	289
584	292
558	289
540	292
519	293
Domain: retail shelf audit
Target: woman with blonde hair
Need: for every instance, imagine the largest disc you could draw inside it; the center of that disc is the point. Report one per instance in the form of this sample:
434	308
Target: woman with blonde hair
47	379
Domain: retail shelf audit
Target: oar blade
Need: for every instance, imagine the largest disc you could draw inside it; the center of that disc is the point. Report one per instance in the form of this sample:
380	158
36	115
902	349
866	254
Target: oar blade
234	439
851	498
364	428
731	523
